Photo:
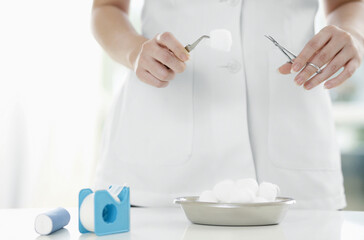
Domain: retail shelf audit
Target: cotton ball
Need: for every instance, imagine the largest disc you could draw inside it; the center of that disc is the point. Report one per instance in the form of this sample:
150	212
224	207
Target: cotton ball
207	196
223	190
239	195
268	191
260	200
221	39
248	183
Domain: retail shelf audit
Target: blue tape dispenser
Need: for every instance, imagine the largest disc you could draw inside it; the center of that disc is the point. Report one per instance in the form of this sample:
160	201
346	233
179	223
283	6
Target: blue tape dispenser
104	211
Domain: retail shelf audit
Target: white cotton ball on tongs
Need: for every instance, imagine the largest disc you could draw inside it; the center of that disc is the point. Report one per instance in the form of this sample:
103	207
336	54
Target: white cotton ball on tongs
220	39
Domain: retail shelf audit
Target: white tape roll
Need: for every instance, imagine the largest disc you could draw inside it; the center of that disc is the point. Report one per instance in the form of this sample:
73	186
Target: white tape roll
87	213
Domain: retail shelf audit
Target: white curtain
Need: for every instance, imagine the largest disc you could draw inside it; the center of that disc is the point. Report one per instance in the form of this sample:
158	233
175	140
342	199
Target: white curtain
56	87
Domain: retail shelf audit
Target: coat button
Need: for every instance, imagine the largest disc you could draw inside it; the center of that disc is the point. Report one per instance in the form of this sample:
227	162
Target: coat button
232	3
233	66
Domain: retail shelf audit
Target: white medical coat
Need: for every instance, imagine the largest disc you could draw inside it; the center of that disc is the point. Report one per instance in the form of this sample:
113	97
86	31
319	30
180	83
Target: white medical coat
229	115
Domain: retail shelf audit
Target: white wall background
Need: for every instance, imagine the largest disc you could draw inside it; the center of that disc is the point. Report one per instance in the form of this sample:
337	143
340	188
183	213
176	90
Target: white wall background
50	98
55	89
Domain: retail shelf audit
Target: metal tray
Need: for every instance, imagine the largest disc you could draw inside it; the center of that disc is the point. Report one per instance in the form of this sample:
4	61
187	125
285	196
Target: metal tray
235	214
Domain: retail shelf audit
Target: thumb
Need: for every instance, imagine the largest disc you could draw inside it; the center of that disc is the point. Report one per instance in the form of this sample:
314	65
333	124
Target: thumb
285	68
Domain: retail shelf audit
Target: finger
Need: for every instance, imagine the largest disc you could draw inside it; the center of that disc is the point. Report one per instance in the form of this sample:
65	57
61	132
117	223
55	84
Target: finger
148	78
159	70
315	44
168	40
334	65
320	59
348	71
169	59
285	68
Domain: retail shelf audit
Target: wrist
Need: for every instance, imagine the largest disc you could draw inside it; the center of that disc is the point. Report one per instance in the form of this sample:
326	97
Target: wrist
138	42
358	38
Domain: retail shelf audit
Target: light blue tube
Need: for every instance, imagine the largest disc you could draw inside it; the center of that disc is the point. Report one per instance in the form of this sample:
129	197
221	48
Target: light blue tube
51	221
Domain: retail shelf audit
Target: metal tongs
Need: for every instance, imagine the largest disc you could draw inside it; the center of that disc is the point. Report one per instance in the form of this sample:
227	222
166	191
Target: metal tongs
286	52
190	47
291	56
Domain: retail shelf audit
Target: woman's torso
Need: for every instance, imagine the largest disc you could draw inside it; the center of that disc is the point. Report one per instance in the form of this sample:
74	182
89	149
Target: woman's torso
230	114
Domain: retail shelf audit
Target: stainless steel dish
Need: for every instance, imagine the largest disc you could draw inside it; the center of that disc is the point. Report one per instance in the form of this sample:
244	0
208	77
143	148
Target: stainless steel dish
235	214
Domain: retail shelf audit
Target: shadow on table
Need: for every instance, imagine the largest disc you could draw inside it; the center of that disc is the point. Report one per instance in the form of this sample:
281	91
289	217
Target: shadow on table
62	234
118	236
313	225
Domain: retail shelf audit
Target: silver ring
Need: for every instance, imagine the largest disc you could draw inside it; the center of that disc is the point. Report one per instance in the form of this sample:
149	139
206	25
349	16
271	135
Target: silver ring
315	66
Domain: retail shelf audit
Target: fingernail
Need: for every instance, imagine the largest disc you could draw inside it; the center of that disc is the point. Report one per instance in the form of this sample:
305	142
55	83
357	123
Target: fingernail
184	56
298	81
296	67
187	52
292	71
278	71
308	86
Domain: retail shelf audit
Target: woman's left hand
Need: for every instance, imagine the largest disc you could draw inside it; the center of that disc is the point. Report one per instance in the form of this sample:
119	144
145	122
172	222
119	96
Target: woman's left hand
332	46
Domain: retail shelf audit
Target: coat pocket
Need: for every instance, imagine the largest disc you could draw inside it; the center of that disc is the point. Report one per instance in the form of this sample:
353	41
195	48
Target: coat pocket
301	129
156	125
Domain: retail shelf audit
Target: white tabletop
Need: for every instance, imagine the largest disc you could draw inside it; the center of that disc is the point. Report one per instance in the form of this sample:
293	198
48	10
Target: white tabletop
171	223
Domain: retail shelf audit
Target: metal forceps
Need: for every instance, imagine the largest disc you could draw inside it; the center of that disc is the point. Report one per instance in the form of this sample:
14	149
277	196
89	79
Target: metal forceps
290	55
190	47
286	52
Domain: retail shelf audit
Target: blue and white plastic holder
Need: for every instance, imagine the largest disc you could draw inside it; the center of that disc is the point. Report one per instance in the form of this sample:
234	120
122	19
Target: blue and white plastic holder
110	216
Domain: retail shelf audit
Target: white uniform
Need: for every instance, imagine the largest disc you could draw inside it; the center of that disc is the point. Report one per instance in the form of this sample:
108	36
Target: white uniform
230	114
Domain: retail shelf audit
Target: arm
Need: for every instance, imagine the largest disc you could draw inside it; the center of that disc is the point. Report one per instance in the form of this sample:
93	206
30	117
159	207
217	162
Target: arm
155	61
347	15
340	44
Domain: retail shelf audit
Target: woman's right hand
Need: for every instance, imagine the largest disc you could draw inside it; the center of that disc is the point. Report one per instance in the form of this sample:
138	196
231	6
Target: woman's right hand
159	59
